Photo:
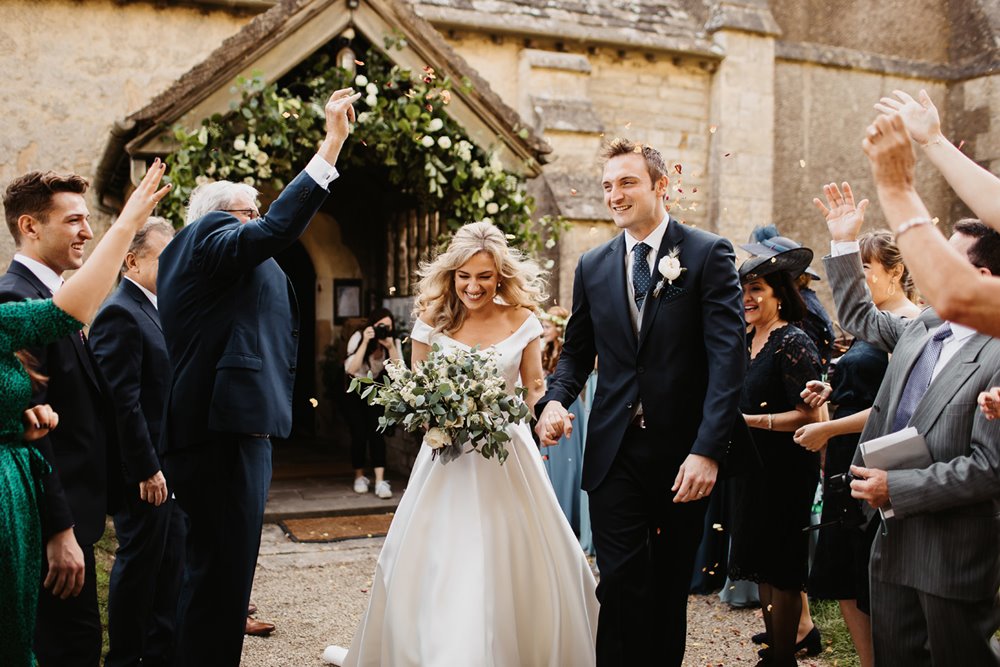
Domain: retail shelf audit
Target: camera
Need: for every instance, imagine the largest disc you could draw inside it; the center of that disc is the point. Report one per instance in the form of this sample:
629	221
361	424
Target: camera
837	498
383	331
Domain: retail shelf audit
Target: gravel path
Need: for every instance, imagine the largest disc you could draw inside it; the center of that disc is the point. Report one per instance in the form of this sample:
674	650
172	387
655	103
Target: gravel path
316	594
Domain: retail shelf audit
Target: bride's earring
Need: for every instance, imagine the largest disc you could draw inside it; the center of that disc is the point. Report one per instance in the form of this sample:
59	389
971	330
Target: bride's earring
892	289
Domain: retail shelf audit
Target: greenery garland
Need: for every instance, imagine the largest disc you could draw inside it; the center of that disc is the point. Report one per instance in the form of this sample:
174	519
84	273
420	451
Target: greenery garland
401	127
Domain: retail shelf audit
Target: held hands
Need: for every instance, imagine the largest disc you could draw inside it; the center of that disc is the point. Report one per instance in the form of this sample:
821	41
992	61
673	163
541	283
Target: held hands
154	489
38	421
554	423
843	218
66	571
890	154
144	199
339	112
871	485
920	117
695	478
989	403
816	393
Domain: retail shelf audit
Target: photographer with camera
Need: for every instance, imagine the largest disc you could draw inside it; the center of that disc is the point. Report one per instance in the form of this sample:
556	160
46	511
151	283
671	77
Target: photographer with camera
368	351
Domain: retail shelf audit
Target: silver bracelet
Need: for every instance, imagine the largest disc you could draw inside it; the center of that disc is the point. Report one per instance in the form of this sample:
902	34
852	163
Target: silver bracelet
911	223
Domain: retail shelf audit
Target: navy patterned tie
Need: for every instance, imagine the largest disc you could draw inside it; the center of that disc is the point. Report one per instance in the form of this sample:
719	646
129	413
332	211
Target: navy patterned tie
640	272
920	377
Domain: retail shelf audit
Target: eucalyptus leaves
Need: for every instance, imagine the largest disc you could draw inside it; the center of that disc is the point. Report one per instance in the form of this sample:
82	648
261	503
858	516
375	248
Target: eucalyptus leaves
459	397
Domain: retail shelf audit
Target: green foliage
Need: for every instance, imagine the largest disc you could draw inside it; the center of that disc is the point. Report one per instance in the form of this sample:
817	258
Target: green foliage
458	397
402	128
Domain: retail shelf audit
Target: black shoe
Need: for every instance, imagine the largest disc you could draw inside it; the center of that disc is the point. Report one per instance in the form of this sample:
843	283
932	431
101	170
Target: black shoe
812	643
760	638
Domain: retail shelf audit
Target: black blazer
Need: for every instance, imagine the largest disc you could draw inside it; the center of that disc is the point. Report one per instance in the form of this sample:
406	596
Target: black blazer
686	364
230	321
86	481
127	341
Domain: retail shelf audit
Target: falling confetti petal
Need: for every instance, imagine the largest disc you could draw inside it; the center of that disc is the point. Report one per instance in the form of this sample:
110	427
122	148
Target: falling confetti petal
960	144
712	129
628	125
313	402
359	63
572	191
727	155
802	163
677	168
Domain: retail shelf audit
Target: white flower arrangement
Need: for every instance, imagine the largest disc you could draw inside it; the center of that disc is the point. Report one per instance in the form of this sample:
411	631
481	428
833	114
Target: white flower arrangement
670	270
457	397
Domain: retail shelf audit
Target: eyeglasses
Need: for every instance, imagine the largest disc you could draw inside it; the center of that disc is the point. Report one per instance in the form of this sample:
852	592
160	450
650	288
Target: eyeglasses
248	212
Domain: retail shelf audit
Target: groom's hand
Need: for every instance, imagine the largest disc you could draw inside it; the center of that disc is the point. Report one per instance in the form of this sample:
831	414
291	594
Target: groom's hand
695	478
554	422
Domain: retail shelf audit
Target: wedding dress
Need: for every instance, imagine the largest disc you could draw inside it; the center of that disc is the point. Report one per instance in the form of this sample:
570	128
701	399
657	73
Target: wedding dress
479	567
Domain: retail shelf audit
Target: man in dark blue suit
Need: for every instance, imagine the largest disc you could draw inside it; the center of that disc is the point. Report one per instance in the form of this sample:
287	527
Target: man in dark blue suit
661	307
127	340
231	325
48	218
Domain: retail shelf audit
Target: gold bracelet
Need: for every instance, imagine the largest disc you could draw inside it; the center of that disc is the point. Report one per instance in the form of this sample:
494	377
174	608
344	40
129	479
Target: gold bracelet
770	422
911	223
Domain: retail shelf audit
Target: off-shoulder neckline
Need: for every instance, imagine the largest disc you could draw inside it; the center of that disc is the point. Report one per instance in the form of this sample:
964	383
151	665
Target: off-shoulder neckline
530	317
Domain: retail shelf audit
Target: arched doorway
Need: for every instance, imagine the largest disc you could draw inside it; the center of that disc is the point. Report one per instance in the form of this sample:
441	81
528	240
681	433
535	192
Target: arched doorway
297	265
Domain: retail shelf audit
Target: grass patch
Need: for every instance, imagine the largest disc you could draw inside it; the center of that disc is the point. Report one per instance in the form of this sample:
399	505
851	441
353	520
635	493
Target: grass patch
838	649
104	558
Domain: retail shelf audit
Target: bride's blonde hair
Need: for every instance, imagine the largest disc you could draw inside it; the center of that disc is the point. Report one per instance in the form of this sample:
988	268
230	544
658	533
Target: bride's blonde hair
522	280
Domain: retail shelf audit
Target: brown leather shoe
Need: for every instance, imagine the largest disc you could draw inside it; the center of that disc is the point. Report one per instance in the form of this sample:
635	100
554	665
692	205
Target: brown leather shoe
258	628
252	609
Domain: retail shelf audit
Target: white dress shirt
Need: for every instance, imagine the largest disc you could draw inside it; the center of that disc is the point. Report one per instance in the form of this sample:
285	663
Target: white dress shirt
149	295
321	171
49	278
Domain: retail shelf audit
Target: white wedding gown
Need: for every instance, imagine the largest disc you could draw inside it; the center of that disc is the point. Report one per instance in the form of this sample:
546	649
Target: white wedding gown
479	567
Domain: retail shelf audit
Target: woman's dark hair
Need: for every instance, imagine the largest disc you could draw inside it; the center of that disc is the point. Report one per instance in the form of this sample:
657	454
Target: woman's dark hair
793	308
31	367
373	317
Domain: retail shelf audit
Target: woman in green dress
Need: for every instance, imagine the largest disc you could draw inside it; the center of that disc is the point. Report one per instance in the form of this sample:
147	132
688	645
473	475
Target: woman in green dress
22	468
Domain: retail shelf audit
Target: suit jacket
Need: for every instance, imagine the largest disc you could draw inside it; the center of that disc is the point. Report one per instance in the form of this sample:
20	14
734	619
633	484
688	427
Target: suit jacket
686	364
86	481
945	536
127	341
230	321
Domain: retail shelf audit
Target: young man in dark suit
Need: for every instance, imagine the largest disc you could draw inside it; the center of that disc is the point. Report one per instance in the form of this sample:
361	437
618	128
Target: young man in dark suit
660	306
48	218
127	340
231	325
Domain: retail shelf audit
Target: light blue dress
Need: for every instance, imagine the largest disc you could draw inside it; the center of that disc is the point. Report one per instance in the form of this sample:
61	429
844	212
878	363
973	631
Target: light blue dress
564	465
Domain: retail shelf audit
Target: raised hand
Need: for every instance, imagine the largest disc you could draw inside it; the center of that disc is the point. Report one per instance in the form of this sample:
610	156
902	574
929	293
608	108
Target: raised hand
816	393
920	117
890	153
145	198
843	217
339	111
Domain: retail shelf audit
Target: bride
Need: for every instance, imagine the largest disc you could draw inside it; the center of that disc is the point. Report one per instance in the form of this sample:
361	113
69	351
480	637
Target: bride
479	567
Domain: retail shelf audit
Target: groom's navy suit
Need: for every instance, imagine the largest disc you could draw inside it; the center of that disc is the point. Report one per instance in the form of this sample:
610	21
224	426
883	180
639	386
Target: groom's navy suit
685	364
231	324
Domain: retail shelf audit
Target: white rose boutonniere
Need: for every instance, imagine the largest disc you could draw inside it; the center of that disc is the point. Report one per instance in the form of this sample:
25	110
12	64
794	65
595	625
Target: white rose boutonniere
437	438
670	269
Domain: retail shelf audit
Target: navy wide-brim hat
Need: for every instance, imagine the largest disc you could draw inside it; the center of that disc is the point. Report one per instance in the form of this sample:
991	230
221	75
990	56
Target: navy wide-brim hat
761	244
793	260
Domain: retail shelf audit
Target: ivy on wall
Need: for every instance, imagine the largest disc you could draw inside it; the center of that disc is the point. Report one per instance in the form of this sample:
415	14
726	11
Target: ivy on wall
402	128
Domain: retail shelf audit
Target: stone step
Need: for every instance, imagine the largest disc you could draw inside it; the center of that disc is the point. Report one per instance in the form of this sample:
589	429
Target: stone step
310	497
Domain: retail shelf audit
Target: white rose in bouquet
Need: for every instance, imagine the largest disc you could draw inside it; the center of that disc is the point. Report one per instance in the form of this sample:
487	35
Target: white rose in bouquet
435	125
437	438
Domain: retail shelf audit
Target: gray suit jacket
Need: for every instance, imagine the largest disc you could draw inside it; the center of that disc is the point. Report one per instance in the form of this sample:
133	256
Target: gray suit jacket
945	536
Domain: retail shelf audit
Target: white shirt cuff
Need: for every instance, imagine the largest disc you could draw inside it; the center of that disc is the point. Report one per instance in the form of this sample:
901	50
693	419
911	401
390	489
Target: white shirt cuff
321	171
838	248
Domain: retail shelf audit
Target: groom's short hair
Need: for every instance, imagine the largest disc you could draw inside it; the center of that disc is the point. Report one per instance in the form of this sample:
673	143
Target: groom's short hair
654	161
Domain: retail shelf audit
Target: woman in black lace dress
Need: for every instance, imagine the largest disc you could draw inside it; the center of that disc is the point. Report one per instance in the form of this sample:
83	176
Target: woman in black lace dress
772	508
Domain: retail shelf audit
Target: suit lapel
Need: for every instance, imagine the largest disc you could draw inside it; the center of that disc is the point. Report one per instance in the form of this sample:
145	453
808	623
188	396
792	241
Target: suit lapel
143	301
614	262
23	272
949	380
672	238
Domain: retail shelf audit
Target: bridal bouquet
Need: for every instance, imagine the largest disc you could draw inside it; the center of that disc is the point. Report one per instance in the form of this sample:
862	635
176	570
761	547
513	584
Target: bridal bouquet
458	397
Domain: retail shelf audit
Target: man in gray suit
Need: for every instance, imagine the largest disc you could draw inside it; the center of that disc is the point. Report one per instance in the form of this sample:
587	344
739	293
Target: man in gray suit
935	566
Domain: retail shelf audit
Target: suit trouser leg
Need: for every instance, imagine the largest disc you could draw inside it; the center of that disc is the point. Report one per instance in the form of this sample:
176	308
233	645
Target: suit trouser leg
68	632
223	489
961	632
161	634
142	533
899	629
645	550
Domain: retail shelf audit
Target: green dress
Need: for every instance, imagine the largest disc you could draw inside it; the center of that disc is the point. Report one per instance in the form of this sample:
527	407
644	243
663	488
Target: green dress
22	325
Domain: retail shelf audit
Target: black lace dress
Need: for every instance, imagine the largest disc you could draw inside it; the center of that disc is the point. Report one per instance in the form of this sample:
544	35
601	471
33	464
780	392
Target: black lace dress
771	508
840	567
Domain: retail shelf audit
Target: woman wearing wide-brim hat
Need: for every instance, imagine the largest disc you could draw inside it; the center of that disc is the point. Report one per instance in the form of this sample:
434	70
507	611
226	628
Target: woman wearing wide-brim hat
771	509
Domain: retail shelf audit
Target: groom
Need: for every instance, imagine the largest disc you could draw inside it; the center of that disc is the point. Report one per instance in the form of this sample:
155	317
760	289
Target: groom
672	353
